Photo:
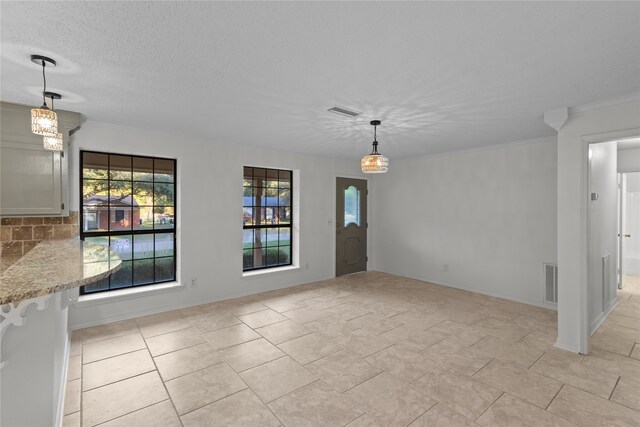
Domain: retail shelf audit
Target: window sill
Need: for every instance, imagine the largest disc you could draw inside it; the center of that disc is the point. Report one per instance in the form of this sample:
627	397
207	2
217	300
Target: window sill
258	273
124	294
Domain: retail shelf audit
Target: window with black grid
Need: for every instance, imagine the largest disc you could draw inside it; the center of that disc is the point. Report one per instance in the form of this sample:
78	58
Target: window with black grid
128	203
267	218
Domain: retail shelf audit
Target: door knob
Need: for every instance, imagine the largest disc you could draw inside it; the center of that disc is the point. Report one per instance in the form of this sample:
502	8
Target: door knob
627	235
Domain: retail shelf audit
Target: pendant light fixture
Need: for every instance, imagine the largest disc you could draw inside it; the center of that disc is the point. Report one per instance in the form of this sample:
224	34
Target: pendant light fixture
374	162
43	120
53	142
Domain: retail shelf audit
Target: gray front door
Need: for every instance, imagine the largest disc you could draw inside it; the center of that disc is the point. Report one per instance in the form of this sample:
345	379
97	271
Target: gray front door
351	225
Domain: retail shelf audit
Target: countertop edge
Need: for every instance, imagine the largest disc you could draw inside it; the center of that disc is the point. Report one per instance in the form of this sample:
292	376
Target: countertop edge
19	295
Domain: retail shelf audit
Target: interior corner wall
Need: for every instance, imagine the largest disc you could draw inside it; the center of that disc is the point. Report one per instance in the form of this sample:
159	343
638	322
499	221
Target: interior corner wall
209	221
571	229
488	215
629	160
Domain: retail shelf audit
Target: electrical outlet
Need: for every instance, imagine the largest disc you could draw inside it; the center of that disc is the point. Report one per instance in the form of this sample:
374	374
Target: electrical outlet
194	283
445	268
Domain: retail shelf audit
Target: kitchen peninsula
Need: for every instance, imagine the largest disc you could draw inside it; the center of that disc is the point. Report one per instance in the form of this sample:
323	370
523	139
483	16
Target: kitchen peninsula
35	293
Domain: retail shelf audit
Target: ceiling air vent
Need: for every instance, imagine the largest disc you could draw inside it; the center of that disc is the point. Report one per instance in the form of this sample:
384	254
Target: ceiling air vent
343	111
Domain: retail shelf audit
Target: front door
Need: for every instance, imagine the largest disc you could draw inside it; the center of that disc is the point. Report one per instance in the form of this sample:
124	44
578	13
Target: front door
351	225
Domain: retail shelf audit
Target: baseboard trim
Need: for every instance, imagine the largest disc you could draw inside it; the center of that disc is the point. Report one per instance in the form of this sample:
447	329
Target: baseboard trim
603	316
483	292
190	303
573	347
183	304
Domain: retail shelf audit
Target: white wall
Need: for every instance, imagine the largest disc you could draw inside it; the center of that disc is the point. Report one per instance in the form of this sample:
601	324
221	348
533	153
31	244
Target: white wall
490	215
209	215
625	119
629	160
603	226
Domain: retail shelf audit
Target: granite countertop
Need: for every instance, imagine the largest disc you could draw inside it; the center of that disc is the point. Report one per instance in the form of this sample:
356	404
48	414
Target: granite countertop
55	265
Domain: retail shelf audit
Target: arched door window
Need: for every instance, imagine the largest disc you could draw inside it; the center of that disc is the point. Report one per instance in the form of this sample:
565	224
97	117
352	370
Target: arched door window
351	206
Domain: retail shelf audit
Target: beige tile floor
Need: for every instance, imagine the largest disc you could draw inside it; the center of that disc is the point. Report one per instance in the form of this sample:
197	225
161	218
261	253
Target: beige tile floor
369	349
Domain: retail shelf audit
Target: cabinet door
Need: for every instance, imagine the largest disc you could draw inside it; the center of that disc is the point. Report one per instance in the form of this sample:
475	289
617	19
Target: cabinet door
33	181
30	179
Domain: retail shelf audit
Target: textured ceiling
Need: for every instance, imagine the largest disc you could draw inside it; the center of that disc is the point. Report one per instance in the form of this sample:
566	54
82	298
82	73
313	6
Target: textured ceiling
441	76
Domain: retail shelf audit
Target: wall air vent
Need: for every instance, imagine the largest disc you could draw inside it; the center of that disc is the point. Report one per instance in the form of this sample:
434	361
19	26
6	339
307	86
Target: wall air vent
606	280
550	283
343	111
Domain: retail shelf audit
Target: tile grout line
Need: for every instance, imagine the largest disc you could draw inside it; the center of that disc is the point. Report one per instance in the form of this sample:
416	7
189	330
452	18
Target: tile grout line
120	380
178	349
485	365
614	388
430	408
623	405
490	406
357	317
116	355
364	414
213	401
286	394
386	348
184	375
131	412
164	384
169	332
631	351
110	338
313	361
283	342
529	333
262	364
382	371
540	357
225	348
555	396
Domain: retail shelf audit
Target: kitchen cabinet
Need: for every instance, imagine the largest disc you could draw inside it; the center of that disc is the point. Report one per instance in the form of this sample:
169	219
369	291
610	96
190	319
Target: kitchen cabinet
33	181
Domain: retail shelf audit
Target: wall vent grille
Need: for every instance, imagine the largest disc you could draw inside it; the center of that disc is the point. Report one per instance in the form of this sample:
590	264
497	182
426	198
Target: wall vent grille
550	283
606	280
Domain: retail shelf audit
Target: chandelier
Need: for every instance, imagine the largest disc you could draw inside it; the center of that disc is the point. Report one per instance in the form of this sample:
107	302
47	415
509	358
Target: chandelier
374	162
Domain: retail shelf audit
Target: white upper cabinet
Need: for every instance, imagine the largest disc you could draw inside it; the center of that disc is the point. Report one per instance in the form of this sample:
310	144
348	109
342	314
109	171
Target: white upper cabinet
33	181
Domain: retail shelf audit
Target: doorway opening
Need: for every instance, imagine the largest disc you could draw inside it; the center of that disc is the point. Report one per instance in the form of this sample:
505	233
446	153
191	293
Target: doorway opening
610	254
628	268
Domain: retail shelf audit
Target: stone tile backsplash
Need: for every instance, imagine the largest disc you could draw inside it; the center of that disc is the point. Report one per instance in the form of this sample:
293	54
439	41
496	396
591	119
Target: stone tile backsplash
18	235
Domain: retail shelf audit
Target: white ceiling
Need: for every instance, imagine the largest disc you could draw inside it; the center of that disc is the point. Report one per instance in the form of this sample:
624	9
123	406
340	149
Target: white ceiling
441	76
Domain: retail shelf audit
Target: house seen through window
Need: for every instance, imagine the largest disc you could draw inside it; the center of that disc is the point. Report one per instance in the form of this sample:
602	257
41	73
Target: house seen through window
267	218
128	203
